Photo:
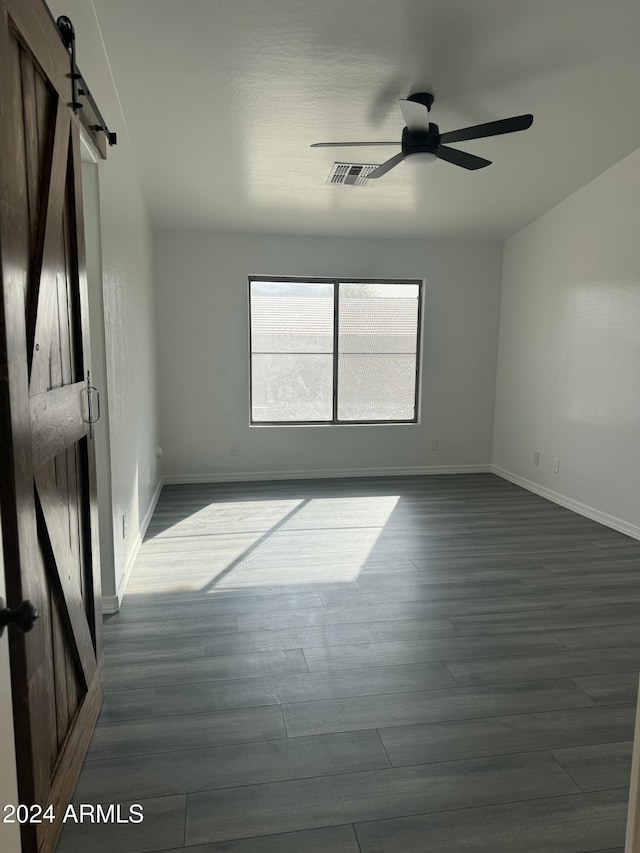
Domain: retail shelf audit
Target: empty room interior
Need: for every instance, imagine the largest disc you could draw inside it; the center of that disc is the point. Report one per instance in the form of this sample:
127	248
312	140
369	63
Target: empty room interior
358	569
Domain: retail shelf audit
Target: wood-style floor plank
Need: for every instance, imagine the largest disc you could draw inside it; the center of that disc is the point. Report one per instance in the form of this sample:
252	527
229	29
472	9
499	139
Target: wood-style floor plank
454	739
274	690
427	649
188	731
333	839
407	709
189	670
162	826
375	665
260	761
619	687
554	665
372	795
553	825
597	767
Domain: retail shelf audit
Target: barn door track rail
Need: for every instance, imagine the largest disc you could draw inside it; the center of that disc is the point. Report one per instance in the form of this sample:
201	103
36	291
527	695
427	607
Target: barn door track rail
83	102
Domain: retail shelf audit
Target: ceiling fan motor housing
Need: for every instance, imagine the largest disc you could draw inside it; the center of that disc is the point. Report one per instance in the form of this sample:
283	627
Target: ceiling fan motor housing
420	142
424	98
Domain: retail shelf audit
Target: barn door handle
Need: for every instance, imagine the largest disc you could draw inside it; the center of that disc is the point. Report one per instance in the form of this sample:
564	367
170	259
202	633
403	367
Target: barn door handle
23	617
90	390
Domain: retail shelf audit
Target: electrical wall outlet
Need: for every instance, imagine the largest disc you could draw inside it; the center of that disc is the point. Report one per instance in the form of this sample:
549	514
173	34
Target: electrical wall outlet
556	464
124	525
234	449
536	457
433	444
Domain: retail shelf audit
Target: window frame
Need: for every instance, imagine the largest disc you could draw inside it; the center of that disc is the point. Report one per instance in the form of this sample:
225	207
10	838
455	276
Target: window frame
336	282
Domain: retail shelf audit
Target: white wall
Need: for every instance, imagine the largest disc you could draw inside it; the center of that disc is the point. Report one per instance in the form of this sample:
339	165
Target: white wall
201	285
569	356
128	305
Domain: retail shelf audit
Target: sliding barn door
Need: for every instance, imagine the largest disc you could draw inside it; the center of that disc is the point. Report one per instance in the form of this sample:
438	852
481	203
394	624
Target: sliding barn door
47	488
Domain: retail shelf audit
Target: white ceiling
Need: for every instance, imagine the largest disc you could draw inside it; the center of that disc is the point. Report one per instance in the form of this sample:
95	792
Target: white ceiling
222	99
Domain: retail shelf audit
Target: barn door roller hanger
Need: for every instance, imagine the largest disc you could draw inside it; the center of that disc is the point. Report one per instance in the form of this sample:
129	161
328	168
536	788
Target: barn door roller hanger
82	99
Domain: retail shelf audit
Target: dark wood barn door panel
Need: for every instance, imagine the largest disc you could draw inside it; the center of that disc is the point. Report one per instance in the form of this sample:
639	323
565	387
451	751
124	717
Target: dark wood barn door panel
47	489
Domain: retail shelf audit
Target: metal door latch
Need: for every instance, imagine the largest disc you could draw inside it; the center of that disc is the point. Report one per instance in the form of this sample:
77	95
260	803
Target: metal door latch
23	617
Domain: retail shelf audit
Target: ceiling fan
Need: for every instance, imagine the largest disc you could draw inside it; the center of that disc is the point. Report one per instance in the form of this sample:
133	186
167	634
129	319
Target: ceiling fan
422	140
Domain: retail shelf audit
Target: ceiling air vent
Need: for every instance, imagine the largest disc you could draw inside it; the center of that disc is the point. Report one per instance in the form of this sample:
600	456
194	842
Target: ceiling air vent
351	173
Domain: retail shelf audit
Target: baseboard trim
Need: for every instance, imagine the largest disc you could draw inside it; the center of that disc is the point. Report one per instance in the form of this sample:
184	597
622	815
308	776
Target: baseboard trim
111	603
324	473
612	521
151	508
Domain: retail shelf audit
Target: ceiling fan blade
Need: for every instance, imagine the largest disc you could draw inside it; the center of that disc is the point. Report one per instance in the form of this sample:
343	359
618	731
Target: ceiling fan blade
460	158
349	144
491	128
386	167
416	116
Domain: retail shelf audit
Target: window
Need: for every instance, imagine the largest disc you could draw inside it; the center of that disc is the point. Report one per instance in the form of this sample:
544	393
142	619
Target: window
329	351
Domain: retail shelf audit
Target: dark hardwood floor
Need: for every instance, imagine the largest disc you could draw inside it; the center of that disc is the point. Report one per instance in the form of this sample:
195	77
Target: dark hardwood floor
369	666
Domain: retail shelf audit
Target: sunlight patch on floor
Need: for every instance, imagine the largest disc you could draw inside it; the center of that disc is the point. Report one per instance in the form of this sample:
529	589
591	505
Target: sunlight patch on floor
263	542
